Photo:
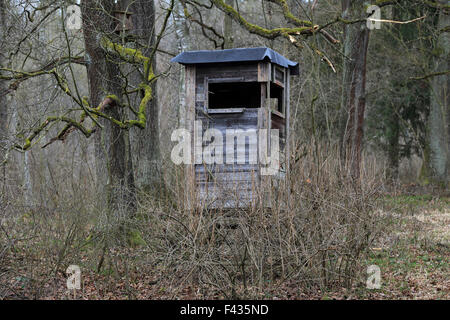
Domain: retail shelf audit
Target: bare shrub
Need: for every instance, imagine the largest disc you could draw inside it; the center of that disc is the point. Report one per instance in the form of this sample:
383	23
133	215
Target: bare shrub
315	240
313	235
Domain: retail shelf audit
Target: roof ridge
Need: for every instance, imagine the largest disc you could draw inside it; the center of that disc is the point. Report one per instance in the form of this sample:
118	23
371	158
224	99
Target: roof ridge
235	55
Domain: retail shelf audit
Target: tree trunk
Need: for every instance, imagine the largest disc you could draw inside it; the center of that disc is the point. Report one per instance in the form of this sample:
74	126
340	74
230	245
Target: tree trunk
438	131
228	28
113	162
3	105
3	89
393	145
145	143
27	182
356	40
182	36
393	122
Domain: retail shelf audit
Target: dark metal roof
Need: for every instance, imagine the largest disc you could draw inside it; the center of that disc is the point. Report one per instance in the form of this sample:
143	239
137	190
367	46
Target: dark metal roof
236	55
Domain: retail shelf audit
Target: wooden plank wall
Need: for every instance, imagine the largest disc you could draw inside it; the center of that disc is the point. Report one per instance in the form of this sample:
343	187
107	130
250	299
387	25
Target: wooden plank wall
226	185
229	184
233	185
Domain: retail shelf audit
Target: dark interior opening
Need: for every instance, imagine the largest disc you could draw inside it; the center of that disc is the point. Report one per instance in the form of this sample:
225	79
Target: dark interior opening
234	95
276	94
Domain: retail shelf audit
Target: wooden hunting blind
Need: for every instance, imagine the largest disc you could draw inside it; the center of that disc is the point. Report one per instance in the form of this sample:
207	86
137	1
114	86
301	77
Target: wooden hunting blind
235	91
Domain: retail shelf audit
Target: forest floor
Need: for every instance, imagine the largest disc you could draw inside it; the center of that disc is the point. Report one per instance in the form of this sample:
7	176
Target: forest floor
413	255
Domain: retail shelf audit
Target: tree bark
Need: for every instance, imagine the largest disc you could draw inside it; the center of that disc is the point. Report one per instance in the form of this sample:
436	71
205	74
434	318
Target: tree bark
438	131
145	143
356	40
393	122
3	89
182	36
228	28
393	145
113	162
3	103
